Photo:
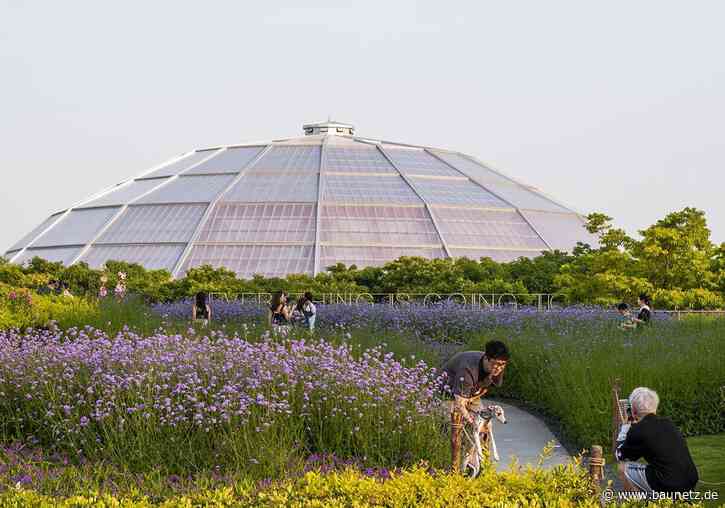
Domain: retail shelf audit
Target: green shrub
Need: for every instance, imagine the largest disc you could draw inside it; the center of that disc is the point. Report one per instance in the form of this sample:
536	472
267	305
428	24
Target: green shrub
12	275
21	308
565	486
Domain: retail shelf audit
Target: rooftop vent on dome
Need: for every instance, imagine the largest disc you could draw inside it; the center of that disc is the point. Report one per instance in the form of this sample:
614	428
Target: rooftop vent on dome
329	127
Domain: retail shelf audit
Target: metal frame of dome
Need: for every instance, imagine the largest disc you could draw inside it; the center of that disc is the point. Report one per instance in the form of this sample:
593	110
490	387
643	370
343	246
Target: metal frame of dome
446	184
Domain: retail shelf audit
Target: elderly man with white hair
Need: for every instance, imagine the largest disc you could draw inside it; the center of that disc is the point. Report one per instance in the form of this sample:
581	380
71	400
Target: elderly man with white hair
669	465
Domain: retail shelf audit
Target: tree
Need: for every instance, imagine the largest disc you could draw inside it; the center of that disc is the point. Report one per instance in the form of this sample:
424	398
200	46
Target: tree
40	265
610	238
603	275
717	267
676	252
209	279
537	274
371	278
81	279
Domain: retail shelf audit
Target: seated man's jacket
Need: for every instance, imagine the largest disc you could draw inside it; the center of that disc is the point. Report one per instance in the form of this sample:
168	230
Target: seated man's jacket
669	465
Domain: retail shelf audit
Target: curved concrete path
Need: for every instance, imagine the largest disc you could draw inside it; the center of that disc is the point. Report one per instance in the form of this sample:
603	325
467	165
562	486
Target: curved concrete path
523	436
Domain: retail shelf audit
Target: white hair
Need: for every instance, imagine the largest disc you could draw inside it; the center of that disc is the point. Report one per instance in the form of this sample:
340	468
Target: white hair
644	400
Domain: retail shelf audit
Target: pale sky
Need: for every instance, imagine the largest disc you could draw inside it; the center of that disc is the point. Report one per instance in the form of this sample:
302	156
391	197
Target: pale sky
616	107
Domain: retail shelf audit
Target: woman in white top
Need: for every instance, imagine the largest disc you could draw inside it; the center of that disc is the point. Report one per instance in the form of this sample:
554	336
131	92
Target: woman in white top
308	310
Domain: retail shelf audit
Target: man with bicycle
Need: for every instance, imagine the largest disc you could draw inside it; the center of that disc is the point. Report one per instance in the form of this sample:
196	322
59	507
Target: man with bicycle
469	375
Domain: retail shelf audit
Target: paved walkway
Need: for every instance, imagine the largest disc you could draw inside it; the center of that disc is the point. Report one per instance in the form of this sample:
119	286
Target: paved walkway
524	436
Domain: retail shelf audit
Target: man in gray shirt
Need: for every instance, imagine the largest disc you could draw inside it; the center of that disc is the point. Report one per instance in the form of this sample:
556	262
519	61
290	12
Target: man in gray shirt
469	375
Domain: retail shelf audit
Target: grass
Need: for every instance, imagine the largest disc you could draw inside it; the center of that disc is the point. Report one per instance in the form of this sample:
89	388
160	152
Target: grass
567	374
708	453
403	347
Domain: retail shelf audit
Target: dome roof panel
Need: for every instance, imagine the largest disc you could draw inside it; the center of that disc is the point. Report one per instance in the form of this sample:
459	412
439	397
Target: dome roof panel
356	159
513	192
301	141
262	222
377	225
126	193
232	160
152	257
64	255
560	230
526	198
25	241
78	227
416	161
291	159
154	224
178	165
248	260
254	187
189	189
370	189
459	191
473	227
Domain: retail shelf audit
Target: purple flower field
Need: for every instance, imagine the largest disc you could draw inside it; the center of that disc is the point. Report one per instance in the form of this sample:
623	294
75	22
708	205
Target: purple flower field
222	399
441	322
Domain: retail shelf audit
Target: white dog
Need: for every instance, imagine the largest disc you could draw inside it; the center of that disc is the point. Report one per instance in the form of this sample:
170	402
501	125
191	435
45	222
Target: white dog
483	424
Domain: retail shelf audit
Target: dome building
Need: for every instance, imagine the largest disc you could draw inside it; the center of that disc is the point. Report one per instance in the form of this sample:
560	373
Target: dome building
300	205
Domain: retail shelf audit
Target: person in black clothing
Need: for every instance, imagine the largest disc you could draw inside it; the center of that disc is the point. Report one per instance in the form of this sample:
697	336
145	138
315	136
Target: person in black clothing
655	438
202	308
645	312
469	376
50	288
279	312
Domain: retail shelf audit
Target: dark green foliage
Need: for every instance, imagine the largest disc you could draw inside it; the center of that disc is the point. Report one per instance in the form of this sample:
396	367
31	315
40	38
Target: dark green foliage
537	274
81	279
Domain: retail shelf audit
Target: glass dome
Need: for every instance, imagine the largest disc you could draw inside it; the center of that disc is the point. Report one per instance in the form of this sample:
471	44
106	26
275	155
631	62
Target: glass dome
300	205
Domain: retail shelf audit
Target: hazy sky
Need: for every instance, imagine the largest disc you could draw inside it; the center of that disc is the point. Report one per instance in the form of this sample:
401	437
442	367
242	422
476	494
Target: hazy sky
611	106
